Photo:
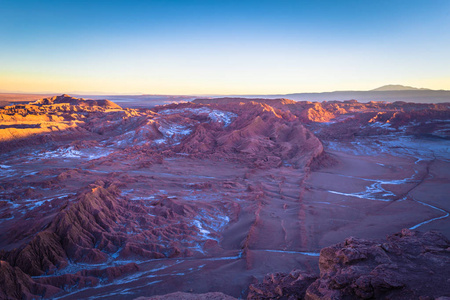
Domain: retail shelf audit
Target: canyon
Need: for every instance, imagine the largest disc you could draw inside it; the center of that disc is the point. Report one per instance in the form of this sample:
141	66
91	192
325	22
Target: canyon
224	198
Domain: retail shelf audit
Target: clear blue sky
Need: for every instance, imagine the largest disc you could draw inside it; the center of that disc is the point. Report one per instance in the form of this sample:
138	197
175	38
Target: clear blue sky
222	47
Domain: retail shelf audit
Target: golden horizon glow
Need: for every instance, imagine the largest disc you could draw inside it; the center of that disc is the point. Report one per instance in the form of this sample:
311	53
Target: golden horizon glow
36	85
222	48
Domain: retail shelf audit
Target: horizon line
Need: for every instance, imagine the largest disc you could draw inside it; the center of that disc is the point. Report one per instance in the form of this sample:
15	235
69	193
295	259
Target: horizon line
78	93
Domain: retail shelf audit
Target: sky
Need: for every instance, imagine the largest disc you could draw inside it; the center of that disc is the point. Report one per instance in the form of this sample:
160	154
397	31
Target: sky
222	46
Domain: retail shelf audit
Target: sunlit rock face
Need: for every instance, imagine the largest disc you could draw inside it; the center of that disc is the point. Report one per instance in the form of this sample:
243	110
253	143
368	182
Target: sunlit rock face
205	198
72	101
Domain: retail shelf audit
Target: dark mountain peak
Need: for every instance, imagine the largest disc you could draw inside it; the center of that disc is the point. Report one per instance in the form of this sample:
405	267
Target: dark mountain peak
397	87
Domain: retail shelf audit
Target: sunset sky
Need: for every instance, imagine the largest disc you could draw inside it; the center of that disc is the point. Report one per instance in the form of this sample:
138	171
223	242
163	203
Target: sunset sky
222	47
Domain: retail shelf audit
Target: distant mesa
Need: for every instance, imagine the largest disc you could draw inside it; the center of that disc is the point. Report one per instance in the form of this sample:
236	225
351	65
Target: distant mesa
76	101
397	87
388	93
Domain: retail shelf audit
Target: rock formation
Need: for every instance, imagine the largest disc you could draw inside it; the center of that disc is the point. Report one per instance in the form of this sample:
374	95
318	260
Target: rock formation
407	265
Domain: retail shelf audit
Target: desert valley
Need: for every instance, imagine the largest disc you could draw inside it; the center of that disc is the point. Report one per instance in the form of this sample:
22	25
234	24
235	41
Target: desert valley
220	150
223	198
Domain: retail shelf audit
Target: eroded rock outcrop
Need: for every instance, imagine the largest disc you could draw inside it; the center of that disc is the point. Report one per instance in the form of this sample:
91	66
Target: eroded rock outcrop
260	135
99	222
66	99
80	232
49	119
407	265
15	284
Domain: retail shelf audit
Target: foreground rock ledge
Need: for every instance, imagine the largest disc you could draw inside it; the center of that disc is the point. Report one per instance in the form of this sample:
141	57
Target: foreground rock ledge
407	265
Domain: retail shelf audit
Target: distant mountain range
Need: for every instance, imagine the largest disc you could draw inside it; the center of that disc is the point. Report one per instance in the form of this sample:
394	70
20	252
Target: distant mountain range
388	93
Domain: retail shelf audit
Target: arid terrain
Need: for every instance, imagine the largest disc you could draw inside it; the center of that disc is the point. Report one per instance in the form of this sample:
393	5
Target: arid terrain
243	198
